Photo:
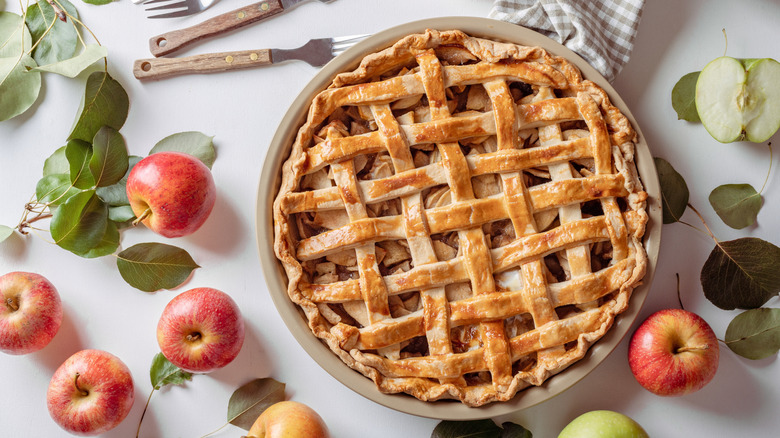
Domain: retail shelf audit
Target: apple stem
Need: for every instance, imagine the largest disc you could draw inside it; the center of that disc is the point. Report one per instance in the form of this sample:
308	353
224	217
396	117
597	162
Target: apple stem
143	216
696	348
193	336
83	392
12	304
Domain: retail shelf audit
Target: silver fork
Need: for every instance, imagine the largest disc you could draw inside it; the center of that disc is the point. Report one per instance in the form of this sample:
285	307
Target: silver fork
178	8
316	52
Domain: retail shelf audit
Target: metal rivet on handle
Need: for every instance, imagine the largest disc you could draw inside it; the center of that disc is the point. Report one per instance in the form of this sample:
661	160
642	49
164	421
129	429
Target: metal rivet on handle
264	6
229	59
253	56
241	15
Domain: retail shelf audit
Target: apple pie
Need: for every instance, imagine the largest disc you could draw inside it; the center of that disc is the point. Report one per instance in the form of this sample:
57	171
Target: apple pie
461	218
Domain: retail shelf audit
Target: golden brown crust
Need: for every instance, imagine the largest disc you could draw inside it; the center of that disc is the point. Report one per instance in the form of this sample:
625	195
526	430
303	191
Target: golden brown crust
461	218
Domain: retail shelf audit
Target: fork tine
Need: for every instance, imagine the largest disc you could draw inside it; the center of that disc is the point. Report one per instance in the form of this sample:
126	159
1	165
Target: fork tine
176	14
181	4
149	2
340	44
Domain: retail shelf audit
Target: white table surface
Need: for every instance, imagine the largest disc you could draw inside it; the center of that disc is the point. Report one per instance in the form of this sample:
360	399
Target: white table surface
242	109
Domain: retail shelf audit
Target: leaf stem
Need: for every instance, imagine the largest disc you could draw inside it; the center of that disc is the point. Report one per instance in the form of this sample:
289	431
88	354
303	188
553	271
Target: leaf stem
768	172
58	10
215	431
146	406
705	223
25	223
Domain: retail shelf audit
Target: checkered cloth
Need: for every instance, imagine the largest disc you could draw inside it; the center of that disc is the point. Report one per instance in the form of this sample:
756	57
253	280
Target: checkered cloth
601	31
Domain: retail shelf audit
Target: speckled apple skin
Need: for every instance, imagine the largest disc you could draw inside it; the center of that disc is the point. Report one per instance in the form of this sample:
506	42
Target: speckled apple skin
655	363
110	395
38	317
177	187
214	316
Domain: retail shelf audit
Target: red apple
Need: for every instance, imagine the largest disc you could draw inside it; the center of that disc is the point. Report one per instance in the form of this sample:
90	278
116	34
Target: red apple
673	352
31	312
288	419
171	193
201	330
90	393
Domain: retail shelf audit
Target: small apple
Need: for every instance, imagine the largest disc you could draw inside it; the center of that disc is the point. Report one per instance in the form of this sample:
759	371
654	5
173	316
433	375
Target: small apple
90	393
739	98
603	424
201	330
673	352
288	419
172	193
31	312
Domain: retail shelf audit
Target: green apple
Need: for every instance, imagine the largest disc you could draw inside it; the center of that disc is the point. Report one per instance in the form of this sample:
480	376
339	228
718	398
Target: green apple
603	424
739	98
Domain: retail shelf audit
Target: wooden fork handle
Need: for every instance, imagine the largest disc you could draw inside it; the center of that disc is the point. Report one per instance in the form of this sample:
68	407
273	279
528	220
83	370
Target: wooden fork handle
159	68
169	42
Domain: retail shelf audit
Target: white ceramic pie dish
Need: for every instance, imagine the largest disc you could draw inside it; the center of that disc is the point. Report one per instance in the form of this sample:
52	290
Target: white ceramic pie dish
279	150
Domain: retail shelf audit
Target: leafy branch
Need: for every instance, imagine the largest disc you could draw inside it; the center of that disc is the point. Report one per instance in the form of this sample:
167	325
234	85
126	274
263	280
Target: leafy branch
738	274
45	38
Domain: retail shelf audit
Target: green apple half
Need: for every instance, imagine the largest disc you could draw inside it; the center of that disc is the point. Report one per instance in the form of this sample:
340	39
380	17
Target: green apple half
739	98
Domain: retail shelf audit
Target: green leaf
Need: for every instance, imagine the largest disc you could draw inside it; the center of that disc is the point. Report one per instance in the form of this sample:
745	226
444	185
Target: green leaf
116	194
121	213
79	154
684	97
471	429
512	430
105	103
5	232
15	37
193	143
251	399
18	87
55	189
154	266
109	160
742	273
107	245
736	204
57	40
71	67
755	334
79	224
56	163
163	372
674	191
98	2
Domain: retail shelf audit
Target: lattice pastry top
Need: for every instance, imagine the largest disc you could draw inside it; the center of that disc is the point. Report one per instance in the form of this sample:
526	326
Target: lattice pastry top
461	218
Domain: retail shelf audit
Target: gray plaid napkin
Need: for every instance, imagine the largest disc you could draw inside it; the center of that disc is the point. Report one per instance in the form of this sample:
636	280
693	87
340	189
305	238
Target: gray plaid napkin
601	31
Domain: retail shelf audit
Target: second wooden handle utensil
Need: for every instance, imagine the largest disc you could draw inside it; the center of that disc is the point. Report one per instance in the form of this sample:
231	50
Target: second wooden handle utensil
169	42
159	68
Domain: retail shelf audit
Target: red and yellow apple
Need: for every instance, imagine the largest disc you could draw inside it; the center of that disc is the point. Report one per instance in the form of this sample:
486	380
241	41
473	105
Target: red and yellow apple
31	312
289	419
673	352
201	330
172	193
90	393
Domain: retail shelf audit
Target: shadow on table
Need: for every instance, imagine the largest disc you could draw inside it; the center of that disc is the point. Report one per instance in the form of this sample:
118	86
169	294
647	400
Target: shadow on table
224	231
